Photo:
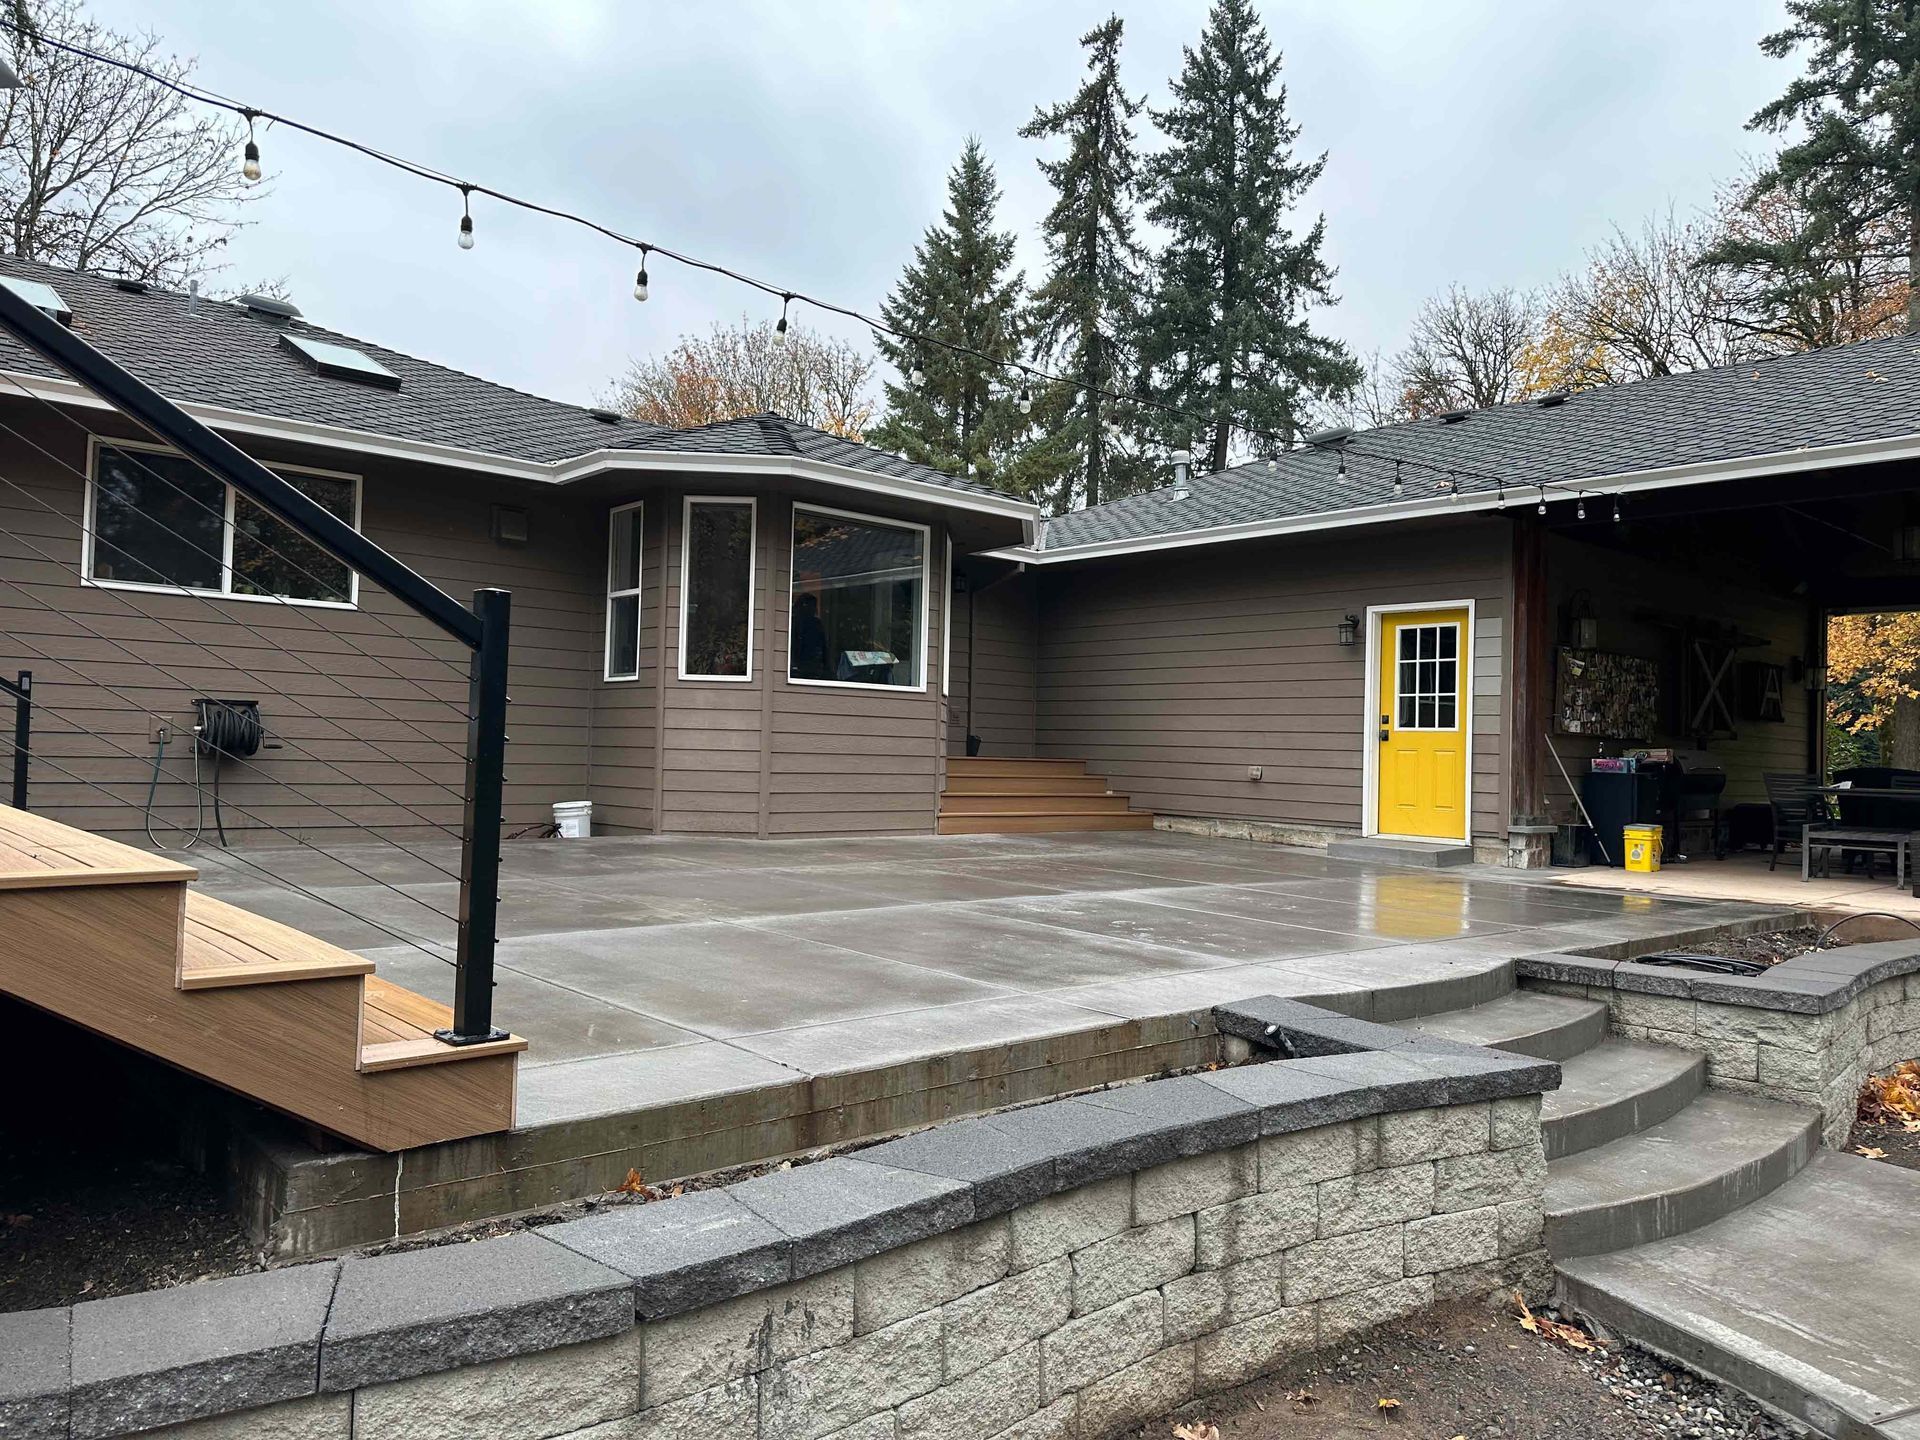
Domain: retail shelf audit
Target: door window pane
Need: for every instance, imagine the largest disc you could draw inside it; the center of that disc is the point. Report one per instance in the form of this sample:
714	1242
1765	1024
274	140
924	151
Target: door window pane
858	595
157	520
270	557
717	590
1428	677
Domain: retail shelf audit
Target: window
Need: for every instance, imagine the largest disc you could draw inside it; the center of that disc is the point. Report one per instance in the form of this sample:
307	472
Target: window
859	600
159	520
946	626
342	362
716	590
623	592
1429	677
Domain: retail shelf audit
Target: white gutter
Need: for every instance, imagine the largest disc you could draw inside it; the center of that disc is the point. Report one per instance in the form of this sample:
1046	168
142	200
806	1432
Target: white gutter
1598	489
551	472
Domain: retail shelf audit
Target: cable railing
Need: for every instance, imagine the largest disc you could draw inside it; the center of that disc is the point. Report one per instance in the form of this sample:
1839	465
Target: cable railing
367	740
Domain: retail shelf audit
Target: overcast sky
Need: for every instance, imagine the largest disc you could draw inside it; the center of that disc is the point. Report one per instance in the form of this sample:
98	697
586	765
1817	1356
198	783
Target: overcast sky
808	142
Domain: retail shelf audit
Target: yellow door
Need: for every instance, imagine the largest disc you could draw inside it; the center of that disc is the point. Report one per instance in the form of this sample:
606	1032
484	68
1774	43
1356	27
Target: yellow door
1423	724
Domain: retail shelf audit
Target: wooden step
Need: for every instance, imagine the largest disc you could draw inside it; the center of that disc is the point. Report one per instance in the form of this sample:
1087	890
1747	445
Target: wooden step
226	945
972	784
397	1031
1105	804
36	853
977	765
1045	821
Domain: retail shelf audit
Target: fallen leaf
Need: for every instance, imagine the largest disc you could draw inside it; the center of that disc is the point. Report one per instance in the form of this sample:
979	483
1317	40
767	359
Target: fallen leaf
1571	1336
1198	1430
1893	1097
1872	1152
1385	1404
634	1184
1303	1396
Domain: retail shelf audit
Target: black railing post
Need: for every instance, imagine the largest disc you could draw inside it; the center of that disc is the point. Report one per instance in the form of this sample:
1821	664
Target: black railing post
22	734
480	836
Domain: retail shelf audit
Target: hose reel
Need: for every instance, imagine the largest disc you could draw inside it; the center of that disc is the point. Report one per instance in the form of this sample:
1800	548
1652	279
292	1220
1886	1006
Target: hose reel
223	729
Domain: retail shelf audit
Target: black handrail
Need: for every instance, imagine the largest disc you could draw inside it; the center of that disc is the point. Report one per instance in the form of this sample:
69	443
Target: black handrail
483	630
22	692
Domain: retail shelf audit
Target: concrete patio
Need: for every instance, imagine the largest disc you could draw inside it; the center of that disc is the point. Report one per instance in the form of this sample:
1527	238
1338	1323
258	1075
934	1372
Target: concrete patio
643	969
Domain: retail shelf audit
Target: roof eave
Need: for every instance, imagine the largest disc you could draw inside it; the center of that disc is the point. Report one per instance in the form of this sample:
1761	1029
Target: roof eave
552	472
1628	482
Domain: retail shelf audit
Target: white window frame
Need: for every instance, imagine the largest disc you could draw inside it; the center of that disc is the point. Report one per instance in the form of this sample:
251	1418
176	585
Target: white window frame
926	586
95	443
753	578
637	593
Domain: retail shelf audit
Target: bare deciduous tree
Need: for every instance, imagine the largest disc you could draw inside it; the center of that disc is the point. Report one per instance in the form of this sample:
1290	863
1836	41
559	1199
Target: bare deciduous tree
102	169
1644	305
746	369
1466	351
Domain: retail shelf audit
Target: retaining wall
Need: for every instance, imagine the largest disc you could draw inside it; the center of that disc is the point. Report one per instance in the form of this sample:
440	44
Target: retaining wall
1809	1031
1069	1269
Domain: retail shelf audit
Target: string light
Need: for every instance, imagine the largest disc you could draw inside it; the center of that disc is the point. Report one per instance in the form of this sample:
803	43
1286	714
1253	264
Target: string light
1453	488
1616	509
1580	508
1500	500
780	330
250	157
1541	508
1399	486
1025	402
1142	388
1341	473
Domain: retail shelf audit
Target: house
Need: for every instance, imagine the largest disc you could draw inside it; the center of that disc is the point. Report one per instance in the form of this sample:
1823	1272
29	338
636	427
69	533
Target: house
756	629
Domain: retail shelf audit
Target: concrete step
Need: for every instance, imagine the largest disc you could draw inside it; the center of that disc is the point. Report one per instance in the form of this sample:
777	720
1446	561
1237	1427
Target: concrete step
1804	1299
1619	1087
1374	850
1719	1153
1526	1022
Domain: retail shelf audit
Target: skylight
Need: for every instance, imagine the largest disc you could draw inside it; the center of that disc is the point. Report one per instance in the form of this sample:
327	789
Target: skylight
341	362
43	298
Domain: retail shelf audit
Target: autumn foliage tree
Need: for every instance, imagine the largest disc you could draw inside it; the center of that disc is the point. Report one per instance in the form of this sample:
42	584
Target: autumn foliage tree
1873	671
749	369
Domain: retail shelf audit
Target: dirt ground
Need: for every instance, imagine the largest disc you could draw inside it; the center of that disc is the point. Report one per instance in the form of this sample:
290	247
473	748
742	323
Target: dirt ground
1768	948
1469	1372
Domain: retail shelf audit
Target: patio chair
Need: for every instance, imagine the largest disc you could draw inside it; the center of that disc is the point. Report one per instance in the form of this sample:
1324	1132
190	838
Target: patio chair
1796	802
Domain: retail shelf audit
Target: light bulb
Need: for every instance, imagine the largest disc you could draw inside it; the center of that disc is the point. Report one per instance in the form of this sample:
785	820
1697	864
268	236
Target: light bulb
916	376
1500	500
1026	400
780	330
1616	509
1272	465
1399	485
250	165
1580	508
466	232
1341	473
1541	508
640	284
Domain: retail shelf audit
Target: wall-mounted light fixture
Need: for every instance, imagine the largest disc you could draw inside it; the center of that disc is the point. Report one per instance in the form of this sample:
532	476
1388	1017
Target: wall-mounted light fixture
1349	630
1816	678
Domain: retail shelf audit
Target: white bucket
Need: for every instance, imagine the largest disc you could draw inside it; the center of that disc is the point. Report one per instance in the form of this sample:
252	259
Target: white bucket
574	817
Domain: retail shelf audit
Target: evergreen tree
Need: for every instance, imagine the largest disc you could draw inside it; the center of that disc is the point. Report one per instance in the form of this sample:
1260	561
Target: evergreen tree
1226	333
1856	172
962	416
1085	311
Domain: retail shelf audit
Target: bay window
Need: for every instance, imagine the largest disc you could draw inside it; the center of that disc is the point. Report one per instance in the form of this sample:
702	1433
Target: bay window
716	589
859	600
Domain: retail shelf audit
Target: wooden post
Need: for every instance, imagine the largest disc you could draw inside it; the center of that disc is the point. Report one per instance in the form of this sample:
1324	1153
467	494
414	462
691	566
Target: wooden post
1530	656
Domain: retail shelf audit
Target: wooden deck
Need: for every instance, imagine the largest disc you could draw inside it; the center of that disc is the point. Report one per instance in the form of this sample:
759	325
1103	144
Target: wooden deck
111	938
994	795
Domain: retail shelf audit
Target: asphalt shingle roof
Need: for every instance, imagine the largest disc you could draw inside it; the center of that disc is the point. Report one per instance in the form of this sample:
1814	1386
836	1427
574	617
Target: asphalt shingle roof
1865	391
215	352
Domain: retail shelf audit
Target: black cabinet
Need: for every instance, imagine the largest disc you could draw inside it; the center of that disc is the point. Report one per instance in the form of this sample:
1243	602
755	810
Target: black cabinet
1614	800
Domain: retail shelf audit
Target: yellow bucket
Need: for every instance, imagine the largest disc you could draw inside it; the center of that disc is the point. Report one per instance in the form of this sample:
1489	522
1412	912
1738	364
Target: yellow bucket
1643	847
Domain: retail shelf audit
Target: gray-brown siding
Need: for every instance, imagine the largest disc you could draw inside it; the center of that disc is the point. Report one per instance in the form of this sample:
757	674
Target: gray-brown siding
1173	671
1001	664
365	706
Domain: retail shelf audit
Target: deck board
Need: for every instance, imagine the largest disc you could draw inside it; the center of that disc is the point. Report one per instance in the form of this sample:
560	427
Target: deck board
37	853
397	1025
226	945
